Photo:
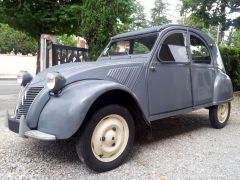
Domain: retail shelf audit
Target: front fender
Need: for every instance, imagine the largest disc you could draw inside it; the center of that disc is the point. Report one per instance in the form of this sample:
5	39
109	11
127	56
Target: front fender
62	116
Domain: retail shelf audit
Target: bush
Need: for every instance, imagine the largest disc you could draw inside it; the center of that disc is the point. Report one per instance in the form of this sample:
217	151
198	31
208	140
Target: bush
231	60
16	41
67	40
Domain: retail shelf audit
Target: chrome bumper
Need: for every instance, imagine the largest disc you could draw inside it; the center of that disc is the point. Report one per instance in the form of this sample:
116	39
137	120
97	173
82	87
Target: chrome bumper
23	130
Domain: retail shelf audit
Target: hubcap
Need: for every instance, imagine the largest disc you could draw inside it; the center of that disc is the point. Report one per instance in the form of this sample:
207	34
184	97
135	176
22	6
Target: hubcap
222	112
110	138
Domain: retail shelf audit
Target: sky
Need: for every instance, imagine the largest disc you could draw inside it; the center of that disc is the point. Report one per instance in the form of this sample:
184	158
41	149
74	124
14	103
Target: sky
172	12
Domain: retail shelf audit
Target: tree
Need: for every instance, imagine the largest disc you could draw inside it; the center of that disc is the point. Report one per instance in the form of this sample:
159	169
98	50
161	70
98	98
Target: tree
138	18
16	41
94	20
67	40
213	12
196	22
102	19
235	38
158	13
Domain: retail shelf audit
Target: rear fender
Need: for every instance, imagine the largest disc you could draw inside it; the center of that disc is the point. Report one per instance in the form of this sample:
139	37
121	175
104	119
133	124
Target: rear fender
223	90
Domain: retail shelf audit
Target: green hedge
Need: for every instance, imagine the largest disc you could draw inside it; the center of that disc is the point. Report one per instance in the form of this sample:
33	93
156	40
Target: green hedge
231	60
16	41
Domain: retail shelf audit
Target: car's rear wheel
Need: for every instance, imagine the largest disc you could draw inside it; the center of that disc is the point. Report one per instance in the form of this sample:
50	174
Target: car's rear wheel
107	138
219	115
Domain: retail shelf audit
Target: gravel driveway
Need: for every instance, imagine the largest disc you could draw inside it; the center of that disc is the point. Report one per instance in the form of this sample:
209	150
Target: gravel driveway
184	146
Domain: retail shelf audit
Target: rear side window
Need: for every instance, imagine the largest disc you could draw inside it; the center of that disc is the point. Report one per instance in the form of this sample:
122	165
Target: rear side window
140	45
199	51
173	48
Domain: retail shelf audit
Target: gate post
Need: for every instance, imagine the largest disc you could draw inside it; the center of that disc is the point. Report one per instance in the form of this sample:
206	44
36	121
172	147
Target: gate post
46	40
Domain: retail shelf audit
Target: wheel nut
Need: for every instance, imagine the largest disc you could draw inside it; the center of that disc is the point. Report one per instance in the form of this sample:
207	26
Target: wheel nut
103	138
112	138
114	129
113	144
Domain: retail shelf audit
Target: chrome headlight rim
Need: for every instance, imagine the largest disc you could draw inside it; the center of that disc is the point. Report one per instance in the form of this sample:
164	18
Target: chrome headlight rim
24	77
51	80
55	81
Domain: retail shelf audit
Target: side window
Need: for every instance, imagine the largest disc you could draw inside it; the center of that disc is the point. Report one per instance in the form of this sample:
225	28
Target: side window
199	51
173	49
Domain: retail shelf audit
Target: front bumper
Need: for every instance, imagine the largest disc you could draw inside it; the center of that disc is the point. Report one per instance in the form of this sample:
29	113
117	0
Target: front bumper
21	128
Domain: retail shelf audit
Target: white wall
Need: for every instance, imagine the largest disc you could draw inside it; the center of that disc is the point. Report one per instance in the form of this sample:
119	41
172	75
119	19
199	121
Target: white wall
10	65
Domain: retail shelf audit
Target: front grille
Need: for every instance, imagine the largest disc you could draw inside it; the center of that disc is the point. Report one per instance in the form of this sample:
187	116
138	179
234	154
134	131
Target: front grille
26	101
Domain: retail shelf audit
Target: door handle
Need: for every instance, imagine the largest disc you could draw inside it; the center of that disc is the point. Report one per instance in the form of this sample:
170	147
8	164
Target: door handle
152	68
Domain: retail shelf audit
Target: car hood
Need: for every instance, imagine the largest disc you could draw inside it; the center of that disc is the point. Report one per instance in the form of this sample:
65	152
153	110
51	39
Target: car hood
86	70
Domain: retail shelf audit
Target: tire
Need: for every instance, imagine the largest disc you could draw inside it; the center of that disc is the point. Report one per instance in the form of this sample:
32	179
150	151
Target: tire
107	138
219	115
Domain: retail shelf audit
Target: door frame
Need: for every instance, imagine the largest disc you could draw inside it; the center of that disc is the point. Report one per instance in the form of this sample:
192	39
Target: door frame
192	64
155	57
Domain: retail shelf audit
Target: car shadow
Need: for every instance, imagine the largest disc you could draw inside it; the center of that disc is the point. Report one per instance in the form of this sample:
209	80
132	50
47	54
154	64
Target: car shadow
177	125
62	151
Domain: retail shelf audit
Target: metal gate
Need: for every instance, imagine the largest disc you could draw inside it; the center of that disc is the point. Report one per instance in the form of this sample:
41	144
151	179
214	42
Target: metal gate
65	54
53	54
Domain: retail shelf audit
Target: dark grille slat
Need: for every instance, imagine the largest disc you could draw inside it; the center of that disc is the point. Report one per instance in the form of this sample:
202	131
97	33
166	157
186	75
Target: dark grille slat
26	103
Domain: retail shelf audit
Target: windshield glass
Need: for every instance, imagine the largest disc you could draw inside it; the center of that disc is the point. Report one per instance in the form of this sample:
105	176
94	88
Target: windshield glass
140	45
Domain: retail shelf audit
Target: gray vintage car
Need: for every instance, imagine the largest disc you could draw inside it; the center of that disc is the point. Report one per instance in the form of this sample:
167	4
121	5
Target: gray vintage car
140	77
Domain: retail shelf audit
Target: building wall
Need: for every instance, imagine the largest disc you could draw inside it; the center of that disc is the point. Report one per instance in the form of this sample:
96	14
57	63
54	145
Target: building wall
10	65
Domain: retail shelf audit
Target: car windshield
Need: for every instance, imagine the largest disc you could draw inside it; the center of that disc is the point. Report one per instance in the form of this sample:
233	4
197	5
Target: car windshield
140	45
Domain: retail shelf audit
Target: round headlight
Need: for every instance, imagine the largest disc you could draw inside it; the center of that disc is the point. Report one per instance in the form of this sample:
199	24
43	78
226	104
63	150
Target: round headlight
20	77
50	80
55	81
23	78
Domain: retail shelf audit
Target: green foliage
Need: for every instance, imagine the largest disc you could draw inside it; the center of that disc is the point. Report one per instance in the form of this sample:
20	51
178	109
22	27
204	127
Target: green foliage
158	13
94	20
138	18
139	48
46	16
236	38
103	19
16	41
67	40
213	12
231	60
196	22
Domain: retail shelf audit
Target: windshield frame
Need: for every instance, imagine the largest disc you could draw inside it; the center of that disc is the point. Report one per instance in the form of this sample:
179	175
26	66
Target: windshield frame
130	38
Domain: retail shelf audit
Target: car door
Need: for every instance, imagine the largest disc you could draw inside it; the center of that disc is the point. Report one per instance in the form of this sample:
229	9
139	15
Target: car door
202	70
169	84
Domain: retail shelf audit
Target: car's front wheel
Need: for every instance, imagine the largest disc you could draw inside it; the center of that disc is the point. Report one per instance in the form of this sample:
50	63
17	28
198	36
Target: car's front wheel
107	138
219	115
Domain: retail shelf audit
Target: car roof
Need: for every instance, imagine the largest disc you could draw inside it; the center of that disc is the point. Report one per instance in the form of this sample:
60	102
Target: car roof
152	30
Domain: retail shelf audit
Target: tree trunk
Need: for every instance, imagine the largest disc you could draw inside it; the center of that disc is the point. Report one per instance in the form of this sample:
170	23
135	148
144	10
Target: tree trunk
223	20
38	56
221	35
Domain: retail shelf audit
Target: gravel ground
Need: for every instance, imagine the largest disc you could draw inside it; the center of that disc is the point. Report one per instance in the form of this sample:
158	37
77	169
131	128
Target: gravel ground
184	146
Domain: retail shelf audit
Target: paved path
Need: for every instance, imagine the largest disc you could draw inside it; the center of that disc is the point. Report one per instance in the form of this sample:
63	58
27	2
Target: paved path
9	87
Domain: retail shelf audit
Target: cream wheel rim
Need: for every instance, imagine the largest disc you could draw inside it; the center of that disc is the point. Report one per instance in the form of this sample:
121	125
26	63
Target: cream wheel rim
222	112
110	138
